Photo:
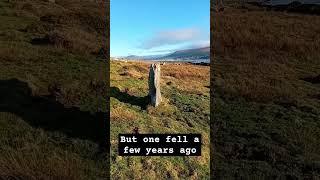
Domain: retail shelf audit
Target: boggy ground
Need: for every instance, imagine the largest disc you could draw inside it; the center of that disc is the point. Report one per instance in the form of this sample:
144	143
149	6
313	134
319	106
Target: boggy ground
266	109
185	109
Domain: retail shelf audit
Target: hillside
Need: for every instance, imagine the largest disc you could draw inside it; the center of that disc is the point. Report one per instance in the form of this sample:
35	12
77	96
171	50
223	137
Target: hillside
181	54
189	53
266	94
52	89
185	109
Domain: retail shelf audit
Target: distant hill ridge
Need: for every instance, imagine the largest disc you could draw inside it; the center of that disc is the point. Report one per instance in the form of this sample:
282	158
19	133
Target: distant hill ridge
188	53
181	54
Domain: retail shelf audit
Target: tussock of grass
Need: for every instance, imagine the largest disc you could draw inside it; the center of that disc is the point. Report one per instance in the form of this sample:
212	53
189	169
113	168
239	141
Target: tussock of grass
122	114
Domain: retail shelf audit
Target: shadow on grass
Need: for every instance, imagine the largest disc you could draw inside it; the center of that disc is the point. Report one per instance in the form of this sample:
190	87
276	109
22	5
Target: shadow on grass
46	113
127	98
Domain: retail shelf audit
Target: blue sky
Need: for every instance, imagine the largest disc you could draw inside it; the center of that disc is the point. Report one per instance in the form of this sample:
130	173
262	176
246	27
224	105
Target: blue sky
145	27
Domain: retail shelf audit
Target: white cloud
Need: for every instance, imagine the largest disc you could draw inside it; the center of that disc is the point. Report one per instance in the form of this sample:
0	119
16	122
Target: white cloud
193	45
171	37
198	44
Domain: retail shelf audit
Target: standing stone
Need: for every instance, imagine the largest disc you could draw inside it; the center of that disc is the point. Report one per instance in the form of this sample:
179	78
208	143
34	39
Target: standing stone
154	84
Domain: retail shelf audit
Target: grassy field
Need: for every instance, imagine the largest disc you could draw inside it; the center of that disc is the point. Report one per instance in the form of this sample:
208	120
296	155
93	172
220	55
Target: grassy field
185	109
265	78
266	93
53	83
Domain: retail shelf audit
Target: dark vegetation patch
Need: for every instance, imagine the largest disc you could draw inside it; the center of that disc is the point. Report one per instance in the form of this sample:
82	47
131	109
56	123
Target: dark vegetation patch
127	98
292	7
313	80
49	114
298	7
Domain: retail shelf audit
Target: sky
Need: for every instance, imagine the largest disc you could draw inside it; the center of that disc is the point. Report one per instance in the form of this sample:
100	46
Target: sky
151	27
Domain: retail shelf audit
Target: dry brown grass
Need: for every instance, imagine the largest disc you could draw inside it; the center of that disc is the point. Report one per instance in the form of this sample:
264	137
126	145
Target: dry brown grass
140	67
260	51
186	72
263	32
136	70
80	27
122	114
181	72
74	40
190	78
131	73
34	165
134	74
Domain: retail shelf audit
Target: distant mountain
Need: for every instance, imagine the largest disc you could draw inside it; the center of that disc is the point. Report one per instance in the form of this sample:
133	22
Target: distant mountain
190	53
287	2
295	6
131	57
146	57
199	53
